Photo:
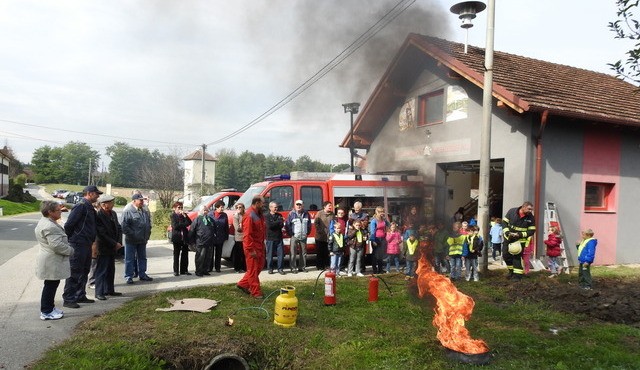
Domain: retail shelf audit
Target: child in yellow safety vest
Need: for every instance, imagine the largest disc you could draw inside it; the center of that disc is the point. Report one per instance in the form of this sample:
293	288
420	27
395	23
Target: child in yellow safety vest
455	241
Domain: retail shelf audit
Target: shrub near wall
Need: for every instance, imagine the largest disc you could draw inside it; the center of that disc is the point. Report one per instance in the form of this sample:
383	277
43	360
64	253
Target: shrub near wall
121	201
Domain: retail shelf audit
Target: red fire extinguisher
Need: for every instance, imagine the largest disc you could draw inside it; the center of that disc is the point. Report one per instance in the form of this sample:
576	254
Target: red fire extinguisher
373	289
329	288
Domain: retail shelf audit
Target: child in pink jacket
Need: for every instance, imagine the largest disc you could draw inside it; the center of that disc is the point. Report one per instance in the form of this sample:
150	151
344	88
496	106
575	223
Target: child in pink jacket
394	239
554	251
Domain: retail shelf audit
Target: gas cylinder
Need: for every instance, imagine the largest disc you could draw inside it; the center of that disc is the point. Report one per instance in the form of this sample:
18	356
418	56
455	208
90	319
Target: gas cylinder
373	289
330	288
286	311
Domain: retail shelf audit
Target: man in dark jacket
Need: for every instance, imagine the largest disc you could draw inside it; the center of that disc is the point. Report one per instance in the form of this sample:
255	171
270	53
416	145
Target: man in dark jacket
221	234
81	230
275	223
202	234
136	227
518	226
109	241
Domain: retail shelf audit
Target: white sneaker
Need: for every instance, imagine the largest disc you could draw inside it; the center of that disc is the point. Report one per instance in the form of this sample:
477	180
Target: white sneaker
360	274
53	315
55	309
342	273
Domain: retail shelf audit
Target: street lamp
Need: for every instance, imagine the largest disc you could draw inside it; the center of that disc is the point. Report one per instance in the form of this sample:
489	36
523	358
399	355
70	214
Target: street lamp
470	8
353	109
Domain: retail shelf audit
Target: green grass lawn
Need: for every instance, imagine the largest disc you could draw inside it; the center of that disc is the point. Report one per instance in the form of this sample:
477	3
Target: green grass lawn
12	208
394	333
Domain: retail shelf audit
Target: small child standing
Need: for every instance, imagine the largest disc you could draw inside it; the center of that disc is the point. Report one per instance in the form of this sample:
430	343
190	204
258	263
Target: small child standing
586	255
475	244
496	237
411	254
554	251
336	248
393	246
455	241
356	239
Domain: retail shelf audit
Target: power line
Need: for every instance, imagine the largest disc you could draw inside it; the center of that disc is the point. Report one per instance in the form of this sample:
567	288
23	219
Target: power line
392	14
93	134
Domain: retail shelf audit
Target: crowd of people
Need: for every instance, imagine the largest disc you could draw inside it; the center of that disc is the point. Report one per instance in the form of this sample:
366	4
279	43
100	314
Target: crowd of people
346	241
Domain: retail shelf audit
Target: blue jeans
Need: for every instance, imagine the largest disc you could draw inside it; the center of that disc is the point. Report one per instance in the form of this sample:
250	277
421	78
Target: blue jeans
278	245
472	268
456	267
131	252
336	259
395	257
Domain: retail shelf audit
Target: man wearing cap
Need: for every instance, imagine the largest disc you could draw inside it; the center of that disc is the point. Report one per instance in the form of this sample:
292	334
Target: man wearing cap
81	231
109	240
298	225
136	227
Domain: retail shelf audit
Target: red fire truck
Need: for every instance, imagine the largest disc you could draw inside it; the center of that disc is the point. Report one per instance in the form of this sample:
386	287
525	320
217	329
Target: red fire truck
396	193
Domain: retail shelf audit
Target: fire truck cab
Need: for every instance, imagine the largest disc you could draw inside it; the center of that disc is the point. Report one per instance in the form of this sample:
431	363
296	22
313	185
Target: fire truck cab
396	193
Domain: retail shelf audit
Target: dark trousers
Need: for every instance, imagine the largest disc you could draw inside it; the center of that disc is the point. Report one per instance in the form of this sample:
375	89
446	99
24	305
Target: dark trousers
180	258
75	285
513	261
48	295
203	258
105	274
496	249
322	254
584	275
378	255
216	257
237	256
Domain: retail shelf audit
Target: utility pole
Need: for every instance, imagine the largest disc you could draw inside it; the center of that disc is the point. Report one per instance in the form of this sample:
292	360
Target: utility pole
89	177
204	148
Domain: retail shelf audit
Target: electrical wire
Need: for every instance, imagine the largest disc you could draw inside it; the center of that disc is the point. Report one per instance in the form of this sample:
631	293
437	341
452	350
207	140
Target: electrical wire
93	134
392	14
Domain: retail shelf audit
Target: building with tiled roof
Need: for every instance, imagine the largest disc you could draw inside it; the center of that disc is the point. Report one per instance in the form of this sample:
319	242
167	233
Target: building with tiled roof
560	134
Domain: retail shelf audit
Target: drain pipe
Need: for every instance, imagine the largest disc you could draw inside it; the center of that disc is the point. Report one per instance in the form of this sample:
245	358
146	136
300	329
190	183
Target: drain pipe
538	179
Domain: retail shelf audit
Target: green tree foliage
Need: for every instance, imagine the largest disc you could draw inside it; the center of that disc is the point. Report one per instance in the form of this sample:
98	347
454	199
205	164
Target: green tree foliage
126	163
69	164
240	171
626	27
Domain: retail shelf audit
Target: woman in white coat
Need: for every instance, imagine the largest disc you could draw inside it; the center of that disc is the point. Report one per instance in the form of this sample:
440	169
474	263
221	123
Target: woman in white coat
53	257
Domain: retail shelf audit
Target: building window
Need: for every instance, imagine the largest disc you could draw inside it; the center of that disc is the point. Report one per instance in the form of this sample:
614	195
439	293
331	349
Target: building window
598	196
431	108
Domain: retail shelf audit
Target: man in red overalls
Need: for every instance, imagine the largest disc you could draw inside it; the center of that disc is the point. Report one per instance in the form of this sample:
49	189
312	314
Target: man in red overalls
254	228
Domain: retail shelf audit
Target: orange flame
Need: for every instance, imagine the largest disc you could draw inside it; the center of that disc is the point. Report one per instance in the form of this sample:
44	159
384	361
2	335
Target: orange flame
452	310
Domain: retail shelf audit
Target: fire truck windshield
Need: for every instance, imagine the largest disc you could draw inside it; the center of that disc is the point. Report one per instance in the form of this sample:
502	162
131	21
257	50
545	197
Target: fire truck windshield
248	195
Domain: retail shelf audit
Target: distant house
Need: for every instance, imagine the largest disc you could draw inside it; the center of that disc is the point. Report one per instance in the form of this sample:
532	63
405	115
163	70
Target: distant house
5	158
193	175
559	134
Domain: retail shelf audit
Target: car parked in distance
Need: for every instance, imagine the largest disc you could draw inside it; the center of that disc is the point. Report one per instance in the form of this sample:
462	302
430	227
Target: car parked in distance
72	197
58	193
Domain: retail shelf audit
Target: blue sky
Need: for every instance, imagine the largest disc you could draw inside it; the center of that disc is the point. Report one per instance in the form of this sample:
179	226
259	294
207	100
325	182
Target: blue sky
173	75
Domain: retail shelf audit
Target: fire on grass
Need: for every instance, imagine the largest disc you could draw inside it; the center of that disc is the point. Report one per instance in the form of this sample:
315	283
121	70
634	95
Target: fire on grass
452	309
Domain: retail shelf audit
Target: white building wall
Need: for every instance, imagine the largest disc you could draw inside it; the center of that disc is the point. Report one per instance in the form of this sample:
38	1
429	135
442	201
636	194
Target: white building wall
193	178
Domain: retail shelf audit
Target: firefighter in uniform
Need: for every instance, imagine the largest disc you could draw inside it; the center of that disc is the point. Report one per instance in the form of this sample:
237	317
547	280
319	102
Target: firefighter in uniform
518	225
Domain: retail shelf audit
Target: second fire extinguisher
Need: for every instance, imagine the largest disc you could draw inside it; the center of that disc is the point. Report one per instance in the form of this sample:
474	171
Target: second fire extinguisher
330	288
373	289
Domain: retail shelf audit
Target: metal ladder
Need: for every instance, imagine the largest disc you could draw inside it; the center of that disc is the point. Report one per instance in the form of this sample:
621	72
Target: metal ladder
551	218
